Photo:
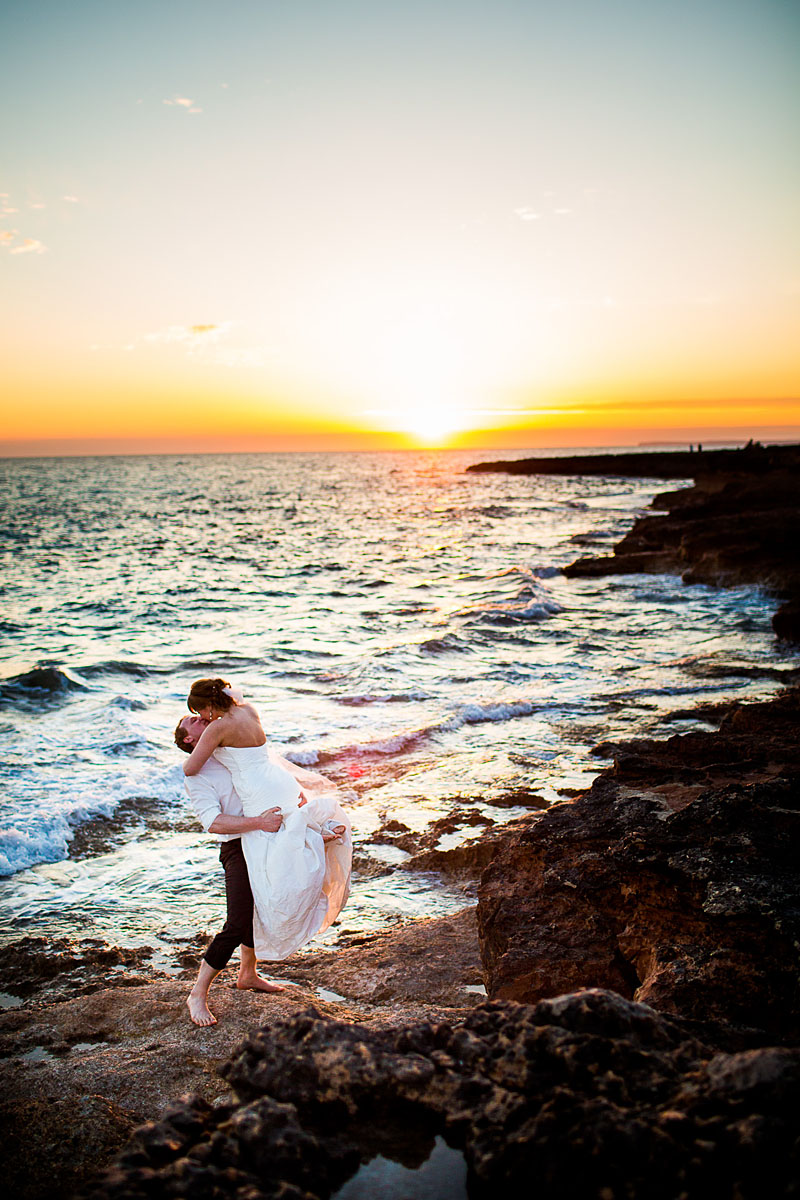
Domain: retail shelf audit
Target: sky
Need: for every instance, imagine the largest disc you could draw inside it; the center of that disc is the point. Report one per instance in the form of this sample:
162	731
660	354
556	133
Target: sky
346	224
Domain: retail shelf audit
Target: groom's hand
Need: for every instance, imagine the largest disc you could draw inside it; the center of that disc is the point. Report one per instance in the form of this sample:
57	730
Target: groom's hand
270	820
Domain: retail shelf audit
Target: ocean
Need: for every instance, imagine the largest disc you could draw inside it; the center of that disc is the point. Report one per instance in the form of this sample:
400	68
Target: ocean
401	625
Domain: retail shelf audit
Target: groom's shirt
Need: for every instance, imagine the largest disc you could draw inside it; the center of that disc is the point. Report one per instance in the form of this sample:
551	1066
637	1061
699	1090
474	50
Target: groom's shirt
211	792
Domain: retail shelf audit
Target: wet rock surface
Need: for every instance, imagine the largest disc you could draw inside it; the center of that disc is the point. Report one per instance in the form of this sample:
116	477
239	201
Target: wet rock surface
64	968
588	1095
672	880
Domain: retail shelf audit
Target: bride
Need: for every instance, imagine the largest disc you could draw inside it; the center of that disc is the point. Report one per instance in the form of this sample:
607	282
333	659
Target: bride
300	876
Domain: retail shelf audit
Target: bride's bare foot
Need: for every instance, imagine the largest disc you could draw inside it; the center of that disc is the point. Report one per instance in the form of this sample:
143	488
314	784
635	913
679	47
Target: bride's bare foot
199	1011
253	982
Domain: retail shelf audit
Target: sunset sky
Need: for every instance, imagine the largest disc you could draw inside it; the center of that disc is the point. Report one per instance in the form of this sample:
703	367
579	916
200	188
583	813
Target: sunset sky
341	223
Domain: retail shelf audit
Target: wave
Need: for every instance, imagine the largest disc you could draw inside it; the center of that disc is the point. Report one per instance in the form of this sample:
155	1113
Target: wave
23	848
221	663
114	666
513	611
395	743
496	511
45	685
443	645
357	700
44	835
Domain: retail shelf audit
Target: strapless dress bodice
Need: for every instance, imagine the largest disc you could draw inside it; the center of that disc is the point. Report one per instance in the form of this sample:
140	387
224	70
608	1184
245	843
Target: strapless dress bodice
260	782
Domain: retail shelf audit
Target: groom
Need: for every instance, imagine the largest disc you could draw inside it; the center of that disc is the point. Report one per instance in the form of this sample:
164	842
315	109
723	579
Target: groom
219	810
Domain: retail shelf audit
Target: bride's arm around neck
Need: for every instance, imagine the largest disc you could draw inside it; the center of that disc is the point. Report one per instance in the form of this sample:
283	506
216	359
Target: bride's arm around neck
209	739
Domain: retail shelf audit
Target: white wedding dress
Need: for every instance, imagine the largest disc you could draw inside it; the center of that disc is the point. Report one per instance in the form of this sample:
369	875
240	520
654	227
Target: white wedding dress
299	882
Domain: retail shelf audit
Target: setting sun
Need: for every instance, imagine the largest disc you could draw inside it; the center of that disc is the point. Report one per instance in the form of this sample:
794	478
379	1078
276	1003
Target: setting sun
430	425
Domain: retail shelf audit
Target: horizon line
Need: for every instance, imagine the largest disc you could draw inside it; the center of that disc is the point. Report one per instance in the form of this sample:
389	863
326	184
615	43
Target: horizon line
782	438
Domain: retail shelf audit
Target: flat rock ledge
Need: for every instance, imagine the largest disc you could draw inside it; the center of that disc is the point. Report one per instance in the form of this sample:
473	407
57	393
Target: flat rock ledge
584	1095
100	1041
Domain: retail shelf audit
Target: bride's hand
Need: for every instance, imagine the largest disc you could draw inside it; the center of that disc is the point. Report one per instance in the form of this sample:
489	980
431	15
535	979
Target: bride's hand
303	799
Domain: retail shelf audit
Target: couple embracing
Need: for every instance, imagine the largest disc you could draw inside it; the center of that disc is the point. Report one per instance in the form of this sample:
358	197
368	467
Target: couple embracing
286	844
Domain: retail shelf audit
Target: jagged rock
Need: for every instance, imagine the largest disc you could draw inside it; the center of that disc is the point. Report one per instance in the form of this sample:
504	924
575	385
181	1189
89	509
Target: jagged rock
667	881
586	1094
786	621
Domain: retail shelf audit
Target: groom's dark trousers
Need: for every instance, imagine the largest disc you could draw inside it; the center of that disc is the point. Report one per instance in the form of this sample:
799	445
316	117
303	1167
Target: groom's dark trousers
238	928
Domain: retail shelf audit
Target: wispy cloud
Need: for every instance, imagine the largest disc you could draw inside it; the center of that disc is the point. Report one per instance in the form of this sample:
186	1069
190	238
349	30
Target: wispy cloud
185	103
71	199
209	343
29	246
190	335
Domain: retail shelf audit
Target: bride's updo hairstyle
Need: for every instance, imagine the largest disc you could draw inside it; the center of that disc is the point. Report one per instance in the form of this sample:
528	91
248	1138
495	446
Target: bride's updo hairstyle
210	691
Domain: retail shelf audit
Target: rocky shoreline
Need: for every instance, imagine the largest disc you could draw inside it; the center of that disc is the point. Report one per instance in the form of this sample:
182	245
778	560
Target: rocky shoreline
737	524
639	943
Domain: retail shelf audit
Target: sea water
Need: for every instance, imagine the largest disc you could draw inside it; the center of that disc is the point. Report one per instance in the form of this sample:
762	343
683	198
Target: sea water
401	625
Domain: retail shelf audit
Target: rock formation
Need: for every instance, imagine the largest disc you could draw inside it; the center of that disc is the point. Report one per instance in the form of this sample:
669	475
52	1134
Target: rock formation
726	530
673	880
585	1095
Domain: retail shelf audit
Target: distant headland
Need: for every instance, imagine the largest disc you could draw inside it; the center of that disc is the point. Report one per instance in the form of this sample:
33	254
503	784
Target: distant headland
754	458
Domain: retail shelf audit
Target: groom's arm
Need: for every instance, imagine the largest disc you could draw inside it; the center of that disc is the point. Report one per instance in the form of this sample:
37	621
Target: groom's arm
269	822
207	804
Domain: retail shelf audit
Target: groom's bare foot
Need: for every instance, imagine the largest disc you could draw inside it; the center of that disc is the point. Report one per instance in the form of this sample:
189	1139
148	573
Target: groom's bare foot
199	1011
255	983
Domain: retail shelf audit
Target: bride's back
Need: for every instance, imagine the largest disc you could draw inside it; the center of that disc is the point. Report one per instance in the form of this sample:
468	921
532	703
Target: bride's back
241	727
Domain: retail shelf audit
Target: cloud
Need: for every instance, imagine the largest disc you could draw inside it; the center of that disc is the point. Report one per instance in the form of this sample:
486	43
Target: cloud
204	342
190	334
29	246
71	199
185	103
7	236
526	214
